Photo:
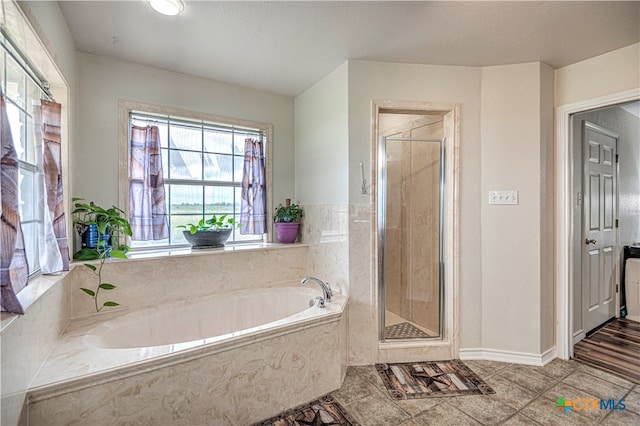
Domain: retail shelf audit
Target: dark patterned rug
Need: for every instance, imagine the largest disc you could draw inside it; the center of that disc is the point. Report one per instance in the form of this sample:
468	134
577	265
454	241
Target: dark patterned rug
322	411
413	380
404	330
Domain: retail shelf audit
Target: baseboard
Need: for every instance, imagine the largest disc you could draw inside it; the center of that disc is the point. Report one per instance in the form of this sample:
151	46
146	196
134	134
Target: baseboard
542	359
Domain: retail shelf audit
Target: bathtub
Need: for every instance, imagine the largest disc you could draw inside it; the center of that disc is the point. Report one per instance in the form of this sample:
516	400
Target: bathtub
232	358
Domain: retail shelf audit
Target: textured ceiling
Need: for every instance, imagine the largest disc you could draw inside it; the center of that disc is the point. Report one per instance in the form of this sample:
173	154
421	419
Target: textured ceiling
284	47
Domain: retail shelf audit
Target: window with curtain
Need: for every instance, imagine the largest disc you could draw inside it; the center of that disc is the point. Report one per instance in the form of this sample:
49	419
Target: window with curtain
202	172
33	227
23	97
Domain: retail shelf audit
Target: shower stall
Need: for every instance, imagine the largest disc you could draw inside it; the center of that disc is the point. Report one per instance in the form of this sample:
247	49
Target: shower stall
411	200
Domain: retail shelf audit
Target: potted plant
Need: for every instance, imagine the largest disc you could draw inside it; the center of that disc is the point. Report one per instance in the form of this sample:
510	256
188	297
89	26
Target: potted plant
95	223
209	233
100	230
287	221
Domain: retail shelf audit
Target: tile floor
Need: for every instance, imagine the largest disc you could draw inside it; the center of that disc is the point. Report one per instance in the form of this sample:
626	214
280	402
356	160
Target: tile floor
525	395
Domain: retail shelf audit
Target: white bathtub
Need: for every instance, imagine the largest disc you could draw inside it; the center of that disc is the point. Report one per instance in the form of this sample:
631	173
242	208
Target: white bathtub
208	319
233	358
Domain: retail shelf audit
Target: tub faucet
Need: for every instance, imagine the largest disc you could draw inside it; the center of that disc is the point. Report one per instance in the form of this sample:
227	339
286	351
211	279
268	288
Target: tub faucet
326	290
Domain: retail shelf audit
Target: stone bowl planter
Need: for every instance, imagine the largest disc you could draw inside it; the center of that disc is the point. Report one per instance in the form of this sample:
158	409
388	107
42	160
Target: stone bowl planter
211	238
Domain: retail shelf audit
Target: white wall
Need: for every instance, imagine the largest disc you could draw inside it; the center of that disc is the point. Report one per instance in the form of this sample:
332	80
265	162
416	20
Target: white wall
103	81
322	140
49	24
517	285
612	72
374	80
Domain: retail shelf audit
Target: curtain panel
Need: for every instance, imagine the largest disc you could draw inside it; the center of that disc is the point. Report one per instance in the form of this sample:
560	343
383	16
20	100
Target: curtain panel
53	244
253	197
147	205
14	269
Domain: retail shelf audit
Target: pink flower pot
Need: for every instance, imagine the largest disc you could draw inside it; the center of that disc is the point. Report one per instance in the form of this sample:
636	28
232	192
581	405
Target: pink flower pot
287	232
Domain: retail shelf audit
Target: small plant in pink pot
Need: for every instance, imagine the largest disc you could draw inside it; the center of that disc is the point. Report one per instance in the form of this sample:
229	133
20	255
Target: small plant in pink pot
287	221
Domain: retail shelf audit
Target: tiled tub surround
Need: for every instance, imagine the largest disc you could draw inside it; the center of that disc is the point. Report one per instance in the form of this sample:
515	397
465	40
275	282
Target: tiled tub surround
232	379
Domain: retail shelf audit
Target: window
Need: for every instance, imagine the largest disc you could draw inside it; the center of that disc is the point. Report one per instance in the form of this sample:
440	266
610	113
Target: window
22	95
202	164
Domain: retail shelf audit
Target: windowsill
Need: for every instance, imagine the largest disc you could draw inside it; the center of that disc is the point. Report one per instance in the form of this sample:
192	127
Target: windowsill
142	254
37	287
187	251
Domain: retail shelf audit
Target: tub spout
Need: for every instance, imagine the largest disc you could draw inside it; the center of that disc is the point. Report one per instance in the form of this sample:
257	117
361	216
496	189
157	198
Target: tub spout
326	290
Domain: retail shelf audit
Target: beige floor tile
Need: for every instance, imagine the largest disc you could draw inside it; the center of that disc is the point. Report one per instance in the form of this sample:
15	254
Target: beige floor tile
632	400
622	418
356	385
596	386
520	420
612	378
527	378
487	409
377	409
510	393
416	406
486	368
556	369
444	415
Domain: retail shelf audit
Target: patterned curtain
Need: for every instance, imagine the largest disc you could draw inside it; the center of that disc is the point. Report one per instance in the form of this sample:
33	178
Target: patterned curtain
53	245
14	269
253	200
147	210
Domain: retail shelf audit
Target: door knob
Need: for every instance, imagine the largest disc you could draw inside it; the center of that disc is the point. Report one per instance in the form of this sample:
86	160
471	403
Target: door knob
587	241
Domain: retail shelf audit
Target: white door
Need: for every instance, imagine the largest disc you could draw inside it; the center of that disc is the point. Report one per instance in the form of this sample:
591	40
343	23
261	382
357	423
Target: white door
600	223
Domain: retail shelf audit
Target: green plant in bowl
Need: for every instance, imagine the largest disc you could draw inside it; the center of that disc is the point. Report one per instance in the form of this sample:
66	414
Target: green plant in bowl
209	233
213	223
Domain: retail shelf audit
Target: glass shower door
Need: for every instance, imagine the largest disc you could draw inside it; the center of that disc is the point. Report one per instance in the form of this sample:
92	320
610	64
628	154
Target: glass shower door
410	232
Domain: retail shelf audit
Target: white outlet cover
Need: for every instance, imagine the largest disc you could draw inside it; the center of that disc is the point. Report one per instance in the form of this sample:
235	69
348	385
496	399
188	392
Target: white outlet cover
503	197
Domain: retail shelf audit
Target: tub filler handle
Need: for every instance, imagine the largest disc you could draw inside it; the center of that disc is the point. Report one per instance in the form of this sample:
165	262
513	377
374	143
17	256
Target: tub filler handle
326	290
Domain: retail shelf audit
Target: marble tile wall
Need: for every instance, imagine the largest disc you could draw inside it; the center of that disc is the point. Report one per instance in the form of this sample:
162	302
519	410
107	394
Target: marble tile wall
238	386
363	315
153	281
325	229
27	339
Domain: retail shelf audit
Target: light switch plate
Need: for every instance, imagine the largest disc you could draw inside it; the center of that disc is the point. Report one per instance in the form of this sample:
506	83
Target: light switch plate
503	197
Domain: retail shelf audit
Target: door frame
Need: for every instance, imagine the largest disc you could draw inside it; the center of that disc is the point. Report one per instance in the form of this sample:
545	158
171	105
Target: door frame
563	213
449	346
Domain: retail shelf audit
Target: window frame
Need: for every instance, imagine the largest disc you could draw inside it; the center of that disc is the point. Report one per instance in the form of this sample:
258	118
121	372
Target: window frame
126	108
32	91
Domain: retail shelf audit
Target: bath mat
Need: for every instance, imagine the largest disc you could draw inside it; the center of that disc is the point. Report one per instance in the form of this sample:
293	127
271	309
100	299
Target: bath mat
404	330
323	411
412	380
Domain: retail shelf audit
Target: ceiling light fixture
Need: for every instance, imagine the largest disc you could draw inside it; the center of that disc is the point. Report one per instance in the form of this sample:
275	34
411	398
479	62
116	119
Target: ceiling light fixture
167	7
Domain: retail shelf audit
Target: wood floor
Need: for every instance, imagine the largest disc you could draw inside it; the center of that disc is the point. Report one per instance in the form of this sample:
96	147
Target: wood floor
614	348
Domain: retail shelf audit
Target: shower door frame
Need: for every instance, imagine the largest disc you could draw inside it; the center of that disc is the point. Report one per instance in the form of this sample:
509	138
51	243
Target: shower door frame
449	346
382	210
